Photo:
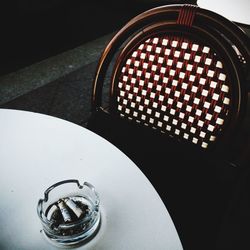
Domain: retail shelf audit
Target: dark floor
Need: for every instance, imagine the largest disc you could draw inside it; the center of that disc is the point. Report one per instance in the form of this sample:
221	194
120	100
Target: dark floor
67	98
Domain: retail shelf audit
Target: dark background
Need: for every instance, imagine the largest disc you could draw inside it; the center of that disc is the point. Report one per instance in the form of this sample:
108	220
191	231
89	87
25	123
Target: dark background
32	30
36	30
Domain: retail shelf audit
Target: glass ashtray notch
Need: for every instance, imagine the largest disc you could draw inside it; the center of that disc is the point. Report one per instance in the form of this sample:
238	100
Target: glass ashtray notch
70	213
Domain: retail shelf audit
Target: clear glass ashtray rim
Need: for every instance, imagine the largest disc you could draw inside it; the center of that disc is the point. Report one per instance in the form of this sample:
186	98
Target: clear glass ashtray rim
77	239
93	216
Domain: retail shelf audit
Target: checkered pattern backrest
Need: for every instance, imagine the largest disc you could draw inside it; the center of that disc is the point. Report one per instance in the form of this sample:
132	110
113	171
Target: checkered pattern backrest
175	85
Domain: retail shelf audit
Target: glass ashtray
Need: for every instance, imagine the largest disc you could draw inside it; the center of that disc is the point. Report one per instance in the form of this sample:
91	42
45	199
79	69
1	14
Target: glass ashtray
69	213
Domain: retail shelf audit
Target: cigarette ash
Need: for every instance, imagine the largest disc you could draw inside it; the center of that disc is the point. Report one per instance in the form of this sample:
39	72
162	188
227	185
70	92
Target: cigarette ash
68	210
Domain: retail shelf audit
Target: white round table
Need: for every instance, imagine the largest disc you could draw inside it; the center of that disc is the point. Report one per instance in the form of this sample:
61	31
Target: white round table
38	150
234	10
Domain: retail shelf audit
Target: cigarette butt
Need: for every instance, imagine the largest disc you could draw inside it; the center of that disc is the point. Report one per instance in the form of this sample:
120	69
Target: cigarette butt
73	206
64	211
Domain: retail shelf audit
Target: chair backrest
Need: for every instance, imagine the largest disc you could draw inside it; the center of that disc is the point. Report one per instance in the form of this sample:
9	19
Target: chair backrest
179	71
182	71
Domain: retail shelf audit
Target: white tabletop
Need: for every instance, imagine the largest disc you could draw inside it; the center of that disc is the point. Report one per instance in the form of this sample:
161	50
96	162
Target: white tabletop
234	10
37	151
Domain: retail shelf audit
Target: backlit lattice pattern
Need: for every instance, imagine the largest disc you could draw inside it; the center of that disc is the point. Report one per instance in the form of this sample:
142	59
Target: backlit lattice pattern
177	86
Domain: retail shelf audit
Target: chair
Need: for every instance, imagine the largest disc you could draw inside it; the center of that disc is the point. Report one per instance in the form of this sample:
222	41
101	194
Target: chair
178	93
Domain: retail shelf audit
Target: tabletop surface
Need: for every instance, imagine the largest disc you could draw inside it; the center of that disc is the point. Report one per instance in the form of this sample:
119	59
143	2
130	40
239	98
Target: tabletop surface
37	151
234	10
